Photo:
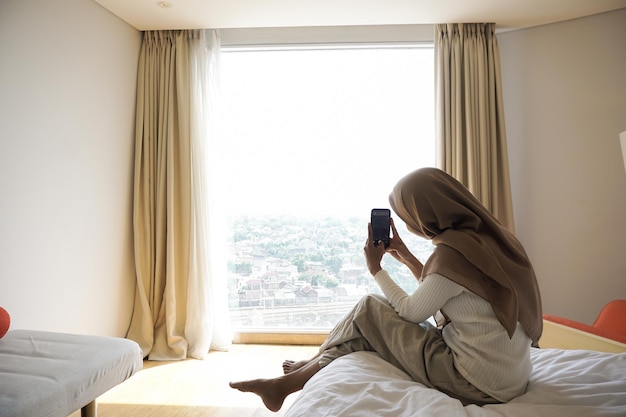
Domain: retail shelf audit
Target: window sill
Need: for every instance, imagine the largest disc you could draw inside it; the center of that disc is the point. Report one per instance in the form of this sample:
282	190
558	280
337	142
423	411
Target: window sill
272	337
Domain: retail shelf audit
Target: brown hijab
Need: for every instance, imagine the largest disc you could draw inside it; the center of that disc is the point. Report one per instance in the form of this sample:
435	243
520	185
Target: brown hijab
472	248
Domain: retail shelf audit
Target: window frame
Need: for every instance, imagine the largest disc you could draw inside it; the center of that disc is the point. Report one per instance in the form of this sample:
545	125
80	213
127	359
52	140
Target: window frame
398	36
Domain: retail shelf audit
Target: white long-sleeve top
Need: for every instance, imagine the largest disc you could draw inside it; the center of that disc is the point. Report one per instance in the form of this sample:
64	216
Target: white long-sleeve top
483	352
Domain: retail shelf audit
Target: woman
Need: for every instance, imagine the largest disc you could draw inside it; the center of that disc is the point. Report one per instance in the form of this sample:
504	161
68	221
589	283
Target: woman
478	279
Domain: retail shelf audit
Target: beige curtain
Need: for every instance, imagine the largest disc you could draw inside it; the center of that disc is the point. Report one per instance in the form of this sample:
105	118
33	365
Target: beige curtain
178	310
471	135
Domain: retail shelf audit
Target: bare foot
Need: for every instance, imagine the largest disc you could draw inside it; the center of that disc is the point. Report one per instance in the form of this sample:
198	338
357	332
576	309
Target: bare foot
268	389
289	366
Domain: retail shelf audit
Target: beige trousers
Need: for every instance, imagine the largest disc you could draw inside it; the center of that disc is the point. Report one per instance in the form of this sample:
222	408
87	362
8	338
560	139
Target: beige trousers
417	349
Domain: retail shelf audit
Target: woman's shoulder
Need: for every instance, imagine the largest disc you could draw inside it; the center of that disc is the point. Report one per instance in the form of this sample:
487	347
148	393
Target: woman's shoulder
437	281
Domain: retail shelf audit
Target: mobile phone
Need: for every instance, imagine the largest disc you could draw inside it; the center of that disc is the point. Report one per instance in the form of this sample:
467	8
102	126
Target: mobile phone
381	225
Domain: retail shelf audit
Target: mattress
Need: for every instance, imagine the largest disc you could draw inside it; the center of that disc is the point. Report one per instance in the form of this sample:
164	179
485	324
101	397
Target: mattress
571	383
44	374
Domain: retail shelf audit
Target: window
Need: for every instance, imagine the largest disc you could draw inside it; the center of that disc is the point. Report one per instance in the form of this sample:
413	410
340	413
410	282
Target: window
312	138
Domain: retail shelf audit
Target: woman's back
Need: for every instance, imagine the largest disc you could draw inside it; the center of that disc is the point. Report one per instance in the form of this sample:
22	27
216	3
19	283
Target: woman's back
483	352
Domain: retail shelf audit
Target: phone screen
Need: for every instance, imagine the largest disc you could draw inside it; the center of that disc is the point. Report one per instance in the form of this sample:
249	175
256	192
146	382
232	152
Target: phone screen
381	225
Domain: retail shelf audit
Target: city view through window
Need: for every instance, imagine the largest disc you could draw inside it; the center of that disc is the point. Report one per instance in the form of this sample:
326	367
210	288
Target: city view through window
312	140
294	272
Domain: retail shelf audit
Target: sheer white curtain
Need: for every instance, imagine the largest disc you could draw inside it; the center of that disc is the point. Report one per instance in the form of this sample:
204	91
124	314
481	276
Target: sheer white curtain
180	302
208	263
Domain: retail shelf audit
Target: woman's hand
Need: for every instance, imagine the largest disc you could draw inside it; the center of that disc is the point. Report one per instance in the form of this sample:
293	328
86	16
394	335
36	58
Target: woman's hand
401	252
397	248
373	254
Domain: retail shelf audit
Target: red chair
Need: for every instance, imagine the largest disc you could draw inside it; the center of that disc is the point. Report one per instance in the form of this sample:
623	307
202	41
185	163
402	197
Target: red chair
610	323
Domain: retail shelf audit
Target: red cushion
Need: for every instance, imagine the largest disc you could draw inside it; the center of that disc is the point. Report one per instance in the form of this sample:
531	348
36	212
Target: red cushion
612	317
619	337
5	322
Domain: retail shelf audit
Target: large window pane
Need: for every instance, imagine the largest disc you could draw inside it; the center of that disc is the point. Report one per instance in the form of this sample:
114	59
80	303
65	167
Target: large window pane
311	140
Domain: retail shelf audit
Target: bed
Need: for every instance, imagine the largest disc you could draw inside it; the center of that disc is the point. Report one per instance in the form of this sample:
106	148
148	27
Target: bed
46	374
564	382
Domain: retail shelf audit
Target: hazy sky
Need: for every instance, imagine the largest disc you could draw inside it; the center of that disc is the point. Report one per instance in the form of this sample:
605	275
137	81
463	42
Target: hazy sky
327	131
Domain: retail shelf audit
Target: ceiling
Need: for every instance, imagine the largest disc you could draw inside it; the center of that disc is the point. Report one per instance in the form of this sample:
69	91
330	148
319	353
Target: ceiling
222	14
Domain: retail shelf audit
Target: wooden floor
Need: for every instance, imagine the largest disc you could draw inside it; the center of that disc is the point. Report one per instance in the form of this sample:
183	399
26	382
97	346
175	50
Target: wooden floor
199	388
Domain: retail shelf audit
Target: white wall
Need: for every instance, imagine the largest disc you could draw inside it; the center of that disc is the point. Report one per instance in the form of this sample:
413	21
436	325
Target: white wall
67	99
564	90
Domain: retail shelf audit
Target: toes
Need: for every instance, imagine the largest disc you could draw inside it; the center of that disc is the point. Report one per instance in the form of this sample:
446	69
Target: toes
235	385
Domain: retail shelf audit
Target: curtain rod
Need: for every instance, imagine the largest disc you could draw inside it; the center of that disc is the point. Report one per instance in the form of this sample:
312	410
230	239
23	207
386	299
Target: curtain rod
325	46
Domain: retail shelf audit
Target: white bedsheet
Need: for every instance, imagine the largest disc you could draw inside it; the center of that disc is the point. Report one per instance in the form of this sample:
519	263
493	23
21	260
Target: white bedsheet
564	383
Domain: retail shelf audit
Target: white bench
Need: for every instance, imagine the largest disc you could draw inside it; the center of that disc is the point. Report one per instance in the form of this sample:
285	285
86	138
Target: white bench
45	374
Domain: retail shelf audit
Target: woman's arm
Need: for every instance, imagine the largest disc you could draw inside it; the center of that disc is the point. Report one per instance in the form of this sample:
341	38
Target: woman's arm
430	296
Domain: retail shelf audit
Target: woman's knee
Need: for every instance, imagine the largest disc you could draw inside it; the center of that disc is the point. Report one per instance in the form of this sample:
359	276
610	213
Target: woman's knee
374	307
375	300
